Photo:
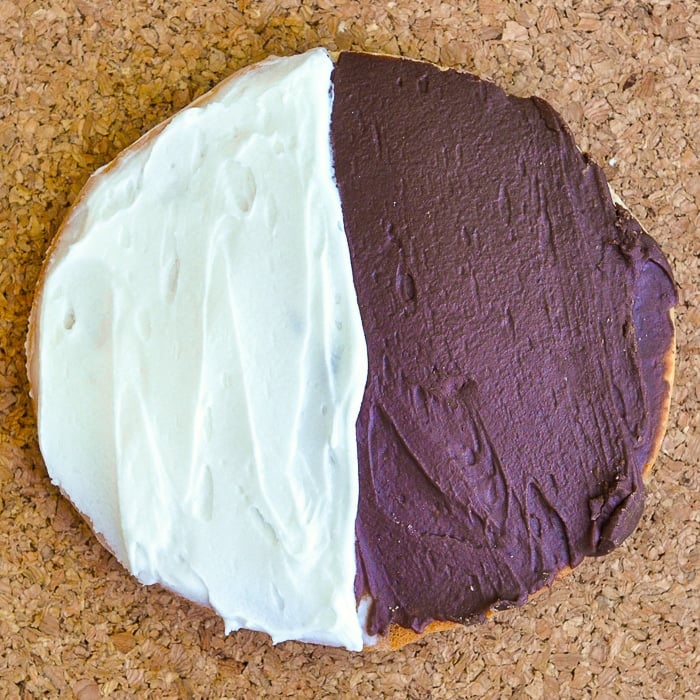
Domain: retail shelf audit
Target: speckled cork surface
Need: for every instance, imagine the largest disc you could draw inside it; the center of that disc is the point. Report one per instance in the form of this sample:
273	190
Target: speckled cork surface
81	80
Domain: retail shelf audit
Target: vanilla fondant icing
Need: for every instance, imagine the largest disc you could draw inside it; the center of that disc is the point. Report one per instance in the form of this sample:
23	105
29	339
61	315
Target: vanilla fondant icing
201	358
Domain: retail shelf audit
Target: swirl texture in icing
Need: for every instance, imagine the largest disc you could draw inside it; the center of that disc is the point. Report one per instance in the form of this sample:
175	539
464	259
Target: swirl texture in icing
201	358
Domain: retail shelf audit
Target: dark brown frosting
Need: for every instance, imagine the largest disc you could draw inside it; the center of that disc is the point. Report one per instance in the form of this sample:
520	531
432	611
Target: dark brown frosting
518	333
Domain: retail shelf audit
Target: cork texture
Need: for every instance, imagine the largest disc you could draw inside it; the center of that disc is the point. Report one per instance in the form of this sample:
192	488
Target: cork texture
79	81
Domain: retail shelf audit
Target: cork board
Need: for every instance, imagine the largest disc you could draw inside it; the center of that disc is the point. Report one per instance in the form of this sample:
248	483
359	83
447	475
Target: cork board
82	79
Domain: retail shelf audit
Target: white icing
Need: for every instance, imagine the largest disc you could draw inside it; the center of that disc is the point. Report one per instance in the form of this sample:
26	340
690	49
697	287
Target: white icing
364	608
201	361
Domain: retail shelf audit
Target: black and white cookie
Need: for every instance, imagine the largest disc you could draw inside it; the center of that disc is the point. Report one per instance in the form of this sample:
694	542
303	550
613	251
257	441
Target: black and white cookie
348	347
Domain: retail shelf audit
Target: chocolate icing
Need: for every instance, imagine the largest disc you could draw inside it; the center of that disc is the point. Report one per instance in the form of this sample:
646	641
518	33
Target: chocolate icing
517	324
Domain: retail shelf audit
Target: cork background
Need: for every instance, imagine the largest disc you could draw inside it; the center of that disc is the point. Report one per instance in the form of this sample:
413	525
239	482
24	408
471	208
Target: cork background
82	79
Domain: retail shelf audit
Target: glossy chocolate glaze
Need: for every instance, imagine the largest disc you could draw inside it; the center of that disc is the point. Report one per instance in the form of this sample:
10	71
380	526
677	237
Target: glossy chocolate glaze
517	323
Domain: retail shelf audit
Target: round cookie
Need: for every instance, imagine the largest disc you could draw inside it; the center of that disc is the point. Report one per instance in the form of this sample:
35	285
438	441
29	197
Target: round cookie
373	335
